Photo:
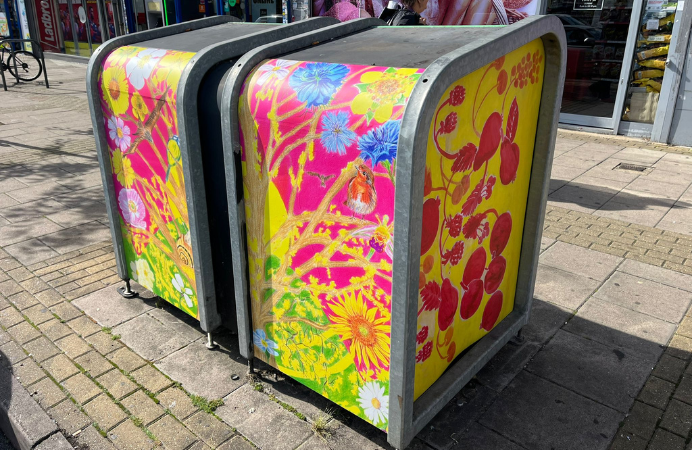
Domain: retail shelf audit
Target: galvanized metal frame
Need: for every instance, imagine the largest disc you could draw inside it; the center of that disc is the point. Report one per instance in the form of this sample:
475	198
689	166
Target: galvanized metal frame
231	146
191	149
406	417
97	119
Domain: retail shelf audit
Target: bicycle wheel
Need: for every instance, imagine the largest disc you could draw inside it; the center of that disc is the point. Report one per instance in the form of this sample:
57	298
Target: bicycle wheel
28	65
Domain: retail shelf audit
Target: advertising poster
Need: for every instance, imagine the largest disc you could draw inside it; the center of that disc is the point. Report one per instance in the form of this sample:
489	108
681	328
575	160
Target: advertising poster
24	24
94	22
4	26
437	12
47	26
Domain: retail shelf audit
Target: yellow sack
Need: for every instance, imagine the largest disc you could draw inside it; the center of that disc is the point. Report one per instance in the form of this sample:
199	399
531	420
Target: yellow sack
658	51
651	73
659	63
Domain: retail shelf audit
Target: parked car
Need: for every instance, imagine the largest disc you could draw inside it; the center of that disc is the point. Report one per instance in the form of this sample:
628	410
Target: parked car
274	18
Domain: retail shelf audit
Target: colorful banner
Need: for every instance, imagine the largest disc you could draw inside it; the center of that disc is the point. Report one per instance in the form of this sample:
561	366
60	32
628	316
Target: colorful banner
436	12
47	25
24	24
4	26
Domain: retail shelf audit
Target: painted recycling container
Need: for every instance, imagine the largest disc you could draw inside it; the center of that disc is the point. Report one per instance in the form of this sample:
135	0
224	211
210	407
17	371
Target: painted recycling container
392	206
161	157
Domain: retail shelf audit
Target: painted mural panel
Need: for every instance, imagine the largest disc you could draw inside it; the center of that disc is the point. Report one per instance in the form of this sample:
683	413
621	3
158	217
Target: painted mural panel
319	145
138	96
478	166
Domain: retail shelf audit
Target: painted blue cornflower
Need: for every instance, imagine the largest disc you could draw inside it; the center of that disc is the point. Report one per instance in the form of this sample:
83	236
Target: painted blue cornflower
380	144
259	338
316	82
335	135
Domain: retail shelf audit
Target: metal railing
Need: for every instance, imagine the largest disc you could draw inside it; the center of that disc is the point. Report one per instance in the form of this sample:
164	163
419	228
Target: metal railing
37	51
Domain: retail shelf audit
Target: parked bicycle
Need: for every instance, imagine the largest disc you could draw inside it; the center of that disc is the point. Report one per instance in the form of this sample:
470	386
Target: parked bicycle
28	67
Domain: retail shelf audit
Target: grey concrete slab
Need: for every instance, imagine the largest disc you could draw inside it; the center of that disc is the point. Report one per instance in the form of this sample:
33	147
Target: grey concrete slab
573	161
23	231
580	261
667	176
55	442
563	288
263	421
110	309
600	148
582	208
642	199
538	414
597	371
649	215
21	419
614	185
585	195
639	155
478	437
76	216
674	166
656	188
70	239
459	414
677	158
30	251
38	191
204	372
184	325
544	321
6	200
506	364
660	275
610	174
615	325
11	184
677	219
545	243
646	296
566	173
150	338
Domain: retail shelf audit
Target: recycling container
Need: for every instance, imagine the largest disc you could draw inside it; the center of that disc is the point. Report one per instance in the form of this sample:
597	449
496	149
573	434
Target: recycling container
153	98
394	186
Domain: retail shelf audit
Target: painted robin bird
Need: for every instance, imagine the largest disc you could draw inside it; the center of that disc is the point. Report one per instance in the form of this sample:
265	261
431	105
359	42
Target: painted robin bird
362	197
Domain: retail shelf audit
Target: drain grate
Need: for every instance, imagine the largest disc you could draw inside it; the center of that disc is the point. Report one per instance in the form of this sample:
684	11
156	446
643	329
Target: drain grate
631	167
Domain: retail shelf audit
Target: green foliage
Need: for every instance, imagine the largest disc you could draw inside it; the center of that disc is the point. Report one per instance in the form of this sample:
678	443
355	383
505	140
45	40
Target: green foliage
206	405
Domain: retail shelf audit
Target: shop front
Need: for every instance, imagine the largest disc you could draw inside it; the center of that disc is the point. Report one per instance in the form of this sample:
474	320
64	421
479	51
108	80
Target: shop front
620	78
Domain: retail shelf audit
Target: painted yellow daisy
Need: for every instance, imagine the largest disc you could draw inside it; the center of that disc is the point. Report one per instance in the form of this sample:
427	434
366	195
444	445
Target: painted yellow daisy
139	108
170	68
122	55
381	91
115	89
122	168
368	334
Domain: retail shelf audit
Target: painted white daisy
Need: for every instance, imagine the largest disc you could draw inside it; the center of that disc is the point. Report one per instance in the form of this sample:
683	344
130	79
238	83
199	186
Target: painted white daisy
259	337
279	70
374	402
119	133
141	272
186	292
140	67
132	208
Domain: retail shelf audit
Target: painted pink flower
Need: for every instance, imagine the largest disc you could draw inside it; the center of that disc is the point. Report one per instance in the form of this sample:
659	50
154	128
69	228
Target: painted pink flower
278	70
132	208
119	132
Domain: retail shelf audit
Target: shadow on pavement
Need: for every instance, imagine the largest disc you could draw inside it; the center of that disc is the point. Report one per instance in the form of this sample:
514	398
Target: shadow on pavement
5	401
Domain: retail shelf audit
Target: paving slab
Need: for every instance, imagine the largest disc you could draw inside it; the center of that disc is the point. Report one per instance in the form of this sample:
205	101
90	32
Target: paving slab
74	238
172	434
584	195
646	296
660	275
642	420
563	288
506	364
21	418
538	414
23	231
210	429
110	309
203	372
648	215
127	436
81	388
177	402
580	261
629	331
594	370
30	251
68	417
55	442
143	407
150	338
104	412
263	421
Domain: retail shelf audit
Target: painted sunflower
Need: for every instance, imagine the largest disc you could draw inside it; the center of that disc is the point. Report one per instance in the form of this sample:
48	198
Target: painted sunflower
381	91
368	334
115	89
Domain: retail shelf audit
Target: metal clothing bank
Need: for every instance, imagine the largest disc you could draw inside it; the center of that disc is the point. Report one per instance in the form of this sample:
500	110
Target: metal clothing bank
374	211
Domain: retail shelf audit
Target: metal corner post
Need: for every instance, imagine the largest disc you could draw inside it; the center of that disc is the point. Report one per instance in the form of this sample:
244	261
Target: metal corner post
231	145
97	119
191	149
406	417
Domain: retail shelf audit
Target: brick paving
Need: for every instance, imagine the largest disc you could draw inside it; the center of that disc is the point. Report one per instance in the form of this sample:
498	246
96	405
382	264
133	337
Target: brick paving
605	362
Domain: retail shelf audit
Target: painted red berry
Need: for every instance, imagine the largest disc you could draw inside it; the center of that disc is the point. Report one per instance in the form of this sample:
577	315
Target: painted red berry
448	305
492	311
490	140
424	353
471	299
509	161
474	266
431	222
499	237
495	274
